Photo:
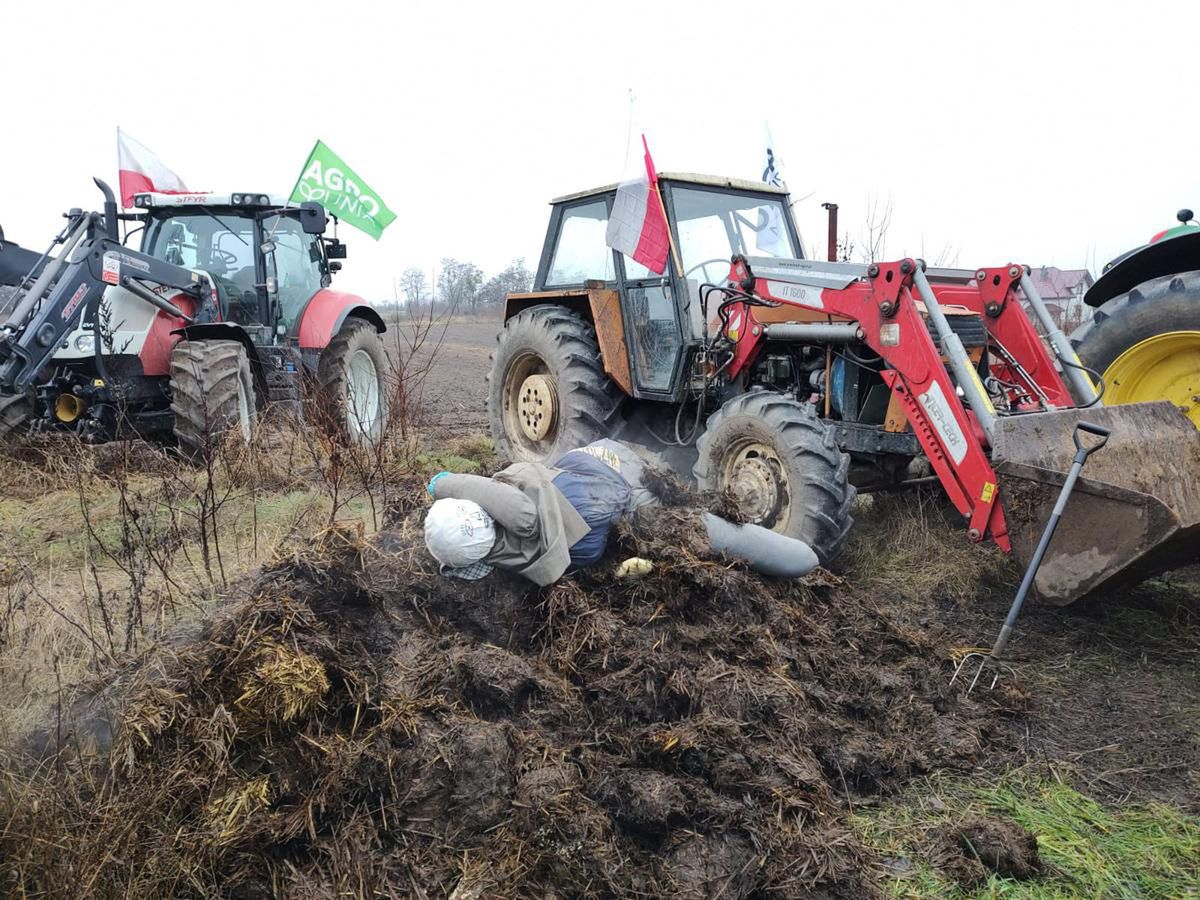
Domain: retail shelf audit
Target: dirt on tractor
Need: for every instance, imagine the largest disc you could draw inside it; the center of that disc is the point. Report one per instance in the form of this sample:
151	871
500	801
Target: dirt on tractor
350	723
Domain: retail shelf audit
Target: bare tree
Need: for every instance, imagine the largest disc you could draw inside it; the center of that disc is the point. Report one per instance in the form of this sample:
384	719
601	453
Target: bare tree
879	219
414	287
458	285
515	279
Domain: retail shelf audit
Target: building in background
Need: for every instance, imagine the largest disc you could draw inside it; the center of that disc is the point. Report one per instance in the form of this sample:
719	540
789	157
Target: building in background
1063	291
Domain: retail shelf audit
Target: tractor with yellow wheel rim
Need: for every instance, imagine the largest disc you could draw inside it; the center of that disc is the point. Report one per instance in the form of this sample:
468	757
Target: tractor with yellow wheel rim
1143	336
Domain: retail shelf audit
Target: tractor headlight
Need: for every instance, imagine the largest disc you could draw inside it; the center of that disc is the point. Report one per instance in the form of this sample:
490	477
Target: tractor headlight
86	343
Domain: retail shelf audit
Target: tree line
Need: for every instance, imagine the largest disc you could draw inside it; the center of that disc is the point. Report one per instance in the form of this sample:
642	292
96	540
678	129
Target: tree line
459	287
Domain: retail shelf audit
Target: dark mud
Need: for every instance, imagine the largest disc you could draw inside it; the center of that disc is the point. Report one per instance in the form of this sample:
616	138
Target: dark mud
353	724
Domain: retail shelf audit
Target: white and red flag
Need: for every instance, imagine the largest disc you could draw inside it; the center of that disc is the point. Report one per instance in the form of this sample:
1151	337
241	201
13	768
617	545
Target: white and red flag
637	226
142	171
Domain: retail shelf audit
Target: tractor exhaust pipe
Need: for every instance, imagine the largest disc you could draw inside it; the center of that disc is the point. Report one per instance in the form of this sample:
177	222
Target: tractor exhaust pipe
110	210
831	238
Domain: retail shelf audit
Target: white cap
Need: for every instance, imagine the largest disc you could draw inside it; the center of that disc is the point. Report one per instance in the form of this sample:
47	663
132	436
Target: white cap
459	534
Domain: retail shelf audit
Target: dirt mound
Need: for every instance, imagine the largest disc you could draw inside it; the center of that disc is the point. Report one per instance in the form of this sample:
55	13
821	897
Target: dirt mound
353	724
988	844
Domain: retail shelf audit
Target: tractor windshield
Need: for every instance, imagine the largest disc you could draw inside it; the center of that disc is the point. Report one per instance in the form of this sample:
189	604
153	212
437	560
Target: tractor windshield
715	224
222	244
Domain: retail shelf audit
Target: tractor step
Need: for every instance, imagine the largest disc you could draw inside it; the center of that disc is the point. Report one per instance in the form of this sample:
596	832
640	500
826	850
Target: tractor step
284	371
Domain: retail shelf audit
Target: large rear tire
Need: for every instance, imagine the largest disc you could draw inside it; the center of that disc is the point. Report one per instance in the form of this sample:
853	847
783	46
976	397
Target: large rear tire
1146	343
16	412
352	371
547	391
212	394
783	466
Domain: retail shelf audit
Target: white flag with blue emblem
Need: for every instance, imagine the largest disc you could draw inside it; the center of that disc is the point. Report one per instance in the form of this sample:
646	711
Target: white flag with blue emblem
771	238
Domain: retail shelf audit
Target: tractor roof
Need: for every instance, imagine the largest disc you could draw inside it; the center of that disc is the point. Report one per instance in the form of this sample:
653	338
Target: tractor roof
721	181
204	198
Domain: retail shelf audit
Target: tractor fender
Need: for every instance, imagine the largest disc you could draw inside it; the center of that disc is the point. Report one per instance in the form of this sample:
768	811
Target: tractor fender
324	315
1166	257
601	308
162	336
224	331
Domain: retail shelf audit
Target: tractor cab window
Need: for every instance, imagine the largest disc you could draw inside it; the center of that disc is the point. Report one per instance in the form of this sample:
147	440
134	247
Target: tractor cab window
221	245
713	225
580	253
295	264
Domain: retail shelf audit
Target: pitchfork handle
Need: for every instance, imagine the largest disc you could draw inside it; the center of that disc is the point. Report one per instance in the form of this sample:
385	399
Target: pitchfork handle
1082	452
1098	430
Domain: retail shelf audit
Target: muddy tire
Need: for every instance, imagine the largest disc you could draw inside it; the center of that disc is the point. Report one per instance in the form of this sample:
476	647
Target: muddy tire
1166	308
352	372
16	413
547	391
783	466
212	393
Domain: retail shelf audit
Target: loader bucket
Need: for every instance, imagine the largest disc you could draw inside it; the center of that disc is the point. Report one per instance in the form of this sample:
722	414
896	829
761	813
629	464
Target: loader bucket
1134	513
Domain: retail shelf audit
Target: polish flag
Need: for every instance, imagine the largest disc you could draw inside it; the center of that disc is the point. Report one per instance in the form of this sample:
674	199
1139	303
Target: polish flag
637	226
142	171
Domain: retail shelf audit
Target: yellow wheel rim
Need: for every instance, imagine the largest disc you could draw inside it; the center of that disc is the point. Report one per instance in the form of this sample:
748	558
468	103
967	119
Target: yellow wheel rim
1163	367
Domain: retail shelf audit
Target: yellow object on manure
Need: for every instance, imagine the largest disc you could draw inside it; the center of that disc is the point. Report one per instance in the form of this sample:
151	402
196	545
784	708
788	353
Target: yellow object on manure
635	567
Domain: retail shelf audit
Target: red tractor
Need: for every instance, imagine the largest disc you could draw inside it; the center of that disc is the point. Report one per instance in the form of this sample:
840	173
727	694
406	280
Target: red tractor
792	382
225	307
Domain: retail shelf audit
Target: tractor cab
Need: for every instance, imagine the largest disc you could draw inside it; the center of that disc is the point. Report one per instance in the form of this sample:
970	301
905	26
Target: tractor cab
266	260
711	219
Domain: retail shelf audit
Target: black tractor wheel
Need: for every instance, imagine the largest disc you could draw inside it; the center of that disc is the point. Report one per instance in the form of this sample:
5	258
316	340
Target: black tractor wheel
547	391
212	394
783	466
1146	343
352	372
16	412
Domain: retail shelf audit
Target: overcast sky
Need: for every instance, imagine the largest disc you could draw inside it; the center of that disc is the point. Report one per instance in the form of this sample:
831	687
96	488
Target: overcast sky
1051	133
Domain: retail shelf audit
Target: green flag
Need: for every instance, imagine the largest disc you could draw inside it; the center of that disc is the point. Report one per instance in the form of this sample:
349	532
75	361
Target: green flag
329	181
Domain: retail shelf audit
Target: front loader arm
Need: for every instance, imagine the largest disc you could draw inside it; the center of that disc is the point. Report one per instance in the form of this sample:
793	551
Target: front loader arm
49	312
891	324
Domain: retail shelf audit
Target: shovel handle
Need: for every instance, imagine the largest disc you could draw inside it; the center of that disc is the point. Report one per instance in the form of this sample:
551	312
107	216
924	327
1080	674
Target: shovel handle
1096	430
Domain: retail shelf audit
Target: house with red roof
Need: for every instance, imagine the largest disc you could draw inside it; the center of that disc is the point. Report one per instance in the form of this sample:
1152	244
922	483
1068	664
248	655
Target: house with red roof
1063	291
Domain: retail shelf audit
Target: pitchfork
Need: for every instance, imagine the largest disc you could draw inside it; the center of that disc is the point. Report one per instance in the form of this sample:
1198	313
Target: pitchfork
1082	452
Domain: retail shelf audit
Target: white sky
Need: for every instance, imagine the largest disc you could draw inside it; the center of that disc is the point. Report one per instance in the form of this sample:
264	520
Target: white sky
1051	133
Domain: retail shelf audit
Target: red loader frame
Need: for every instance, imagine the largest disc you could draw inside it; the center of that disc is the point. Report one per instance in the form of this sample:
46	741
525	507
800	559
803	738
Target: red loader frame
884	303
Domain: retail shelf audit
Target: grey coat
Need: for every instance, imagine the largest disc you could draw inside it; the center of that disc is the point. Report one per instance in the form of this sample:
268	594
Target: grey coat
536	525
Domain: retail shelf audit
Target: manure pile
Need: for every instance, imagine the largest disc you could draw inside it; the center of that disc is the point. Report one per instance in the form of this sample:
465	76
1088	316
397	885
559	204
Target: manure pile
352	724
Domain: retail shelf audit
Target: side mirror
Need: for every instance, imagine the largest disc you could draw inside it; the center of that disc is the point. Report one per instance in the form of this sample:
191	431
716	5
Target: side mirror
312	218
335	249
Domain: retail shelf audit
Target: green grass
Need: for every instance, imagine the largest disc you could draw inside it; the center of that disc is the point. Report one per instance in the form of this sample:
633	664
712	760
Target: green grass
471	455
1144	851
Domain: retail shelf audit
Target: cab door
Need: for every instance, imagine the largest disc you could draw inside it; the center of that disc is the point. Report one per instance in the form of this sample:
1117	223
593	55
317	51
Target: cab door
652	327
295	264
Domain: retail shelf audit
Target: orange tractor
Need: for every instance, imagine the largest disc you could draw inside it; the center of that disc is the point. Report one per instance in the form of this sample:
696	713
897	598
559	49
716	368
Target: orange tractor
794	382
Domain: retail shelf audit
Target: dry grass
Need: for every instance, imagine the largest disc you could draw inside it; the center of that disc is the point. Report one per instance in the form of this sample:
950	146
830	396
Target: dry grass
105	549
912	547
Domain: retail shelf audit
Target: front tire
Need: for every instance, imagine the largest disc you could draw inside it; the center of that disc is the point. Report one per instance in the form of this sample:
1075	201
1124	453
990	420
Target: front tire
547	391
352	372
16	414
1146	343
212	394
783	466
